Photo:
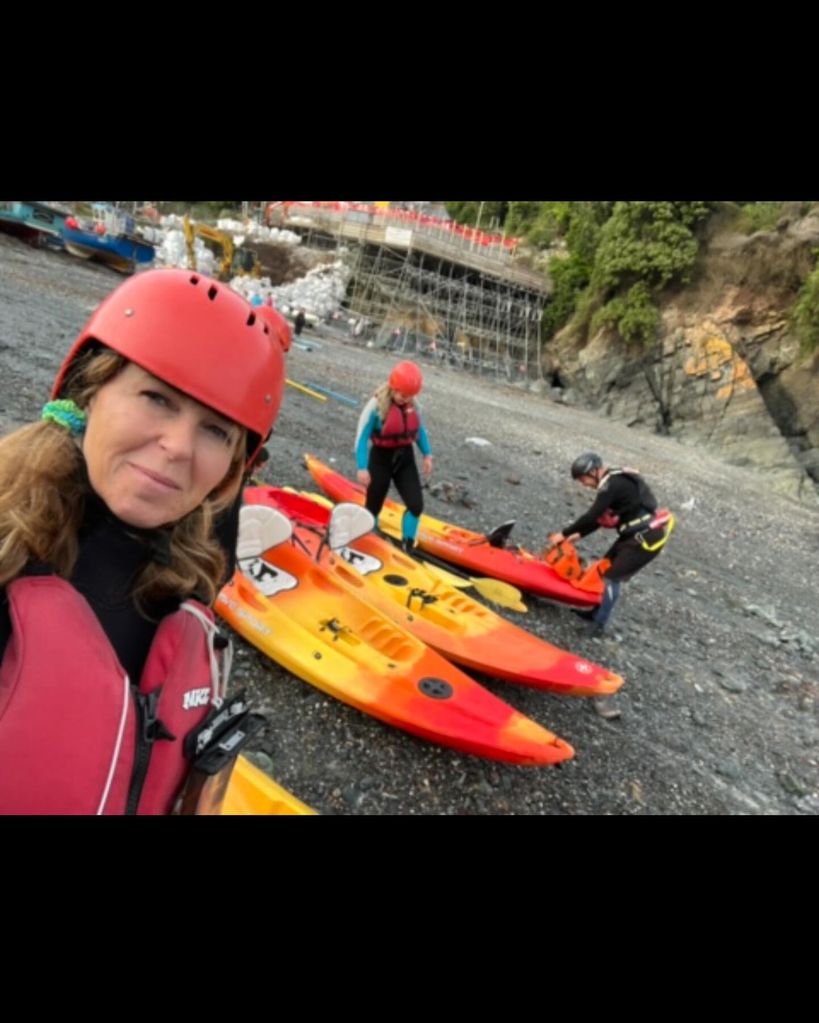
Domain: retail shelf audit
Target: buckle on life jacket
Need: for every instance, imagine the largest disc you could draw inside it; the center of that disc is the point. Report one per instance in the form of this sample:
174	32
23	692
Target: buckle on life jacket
214	747
630	528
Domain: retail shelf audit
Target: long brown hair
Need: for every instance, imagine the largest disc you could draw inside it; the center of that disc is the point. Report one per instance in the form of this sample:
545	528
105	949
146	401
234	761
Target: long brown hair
43	491
383	399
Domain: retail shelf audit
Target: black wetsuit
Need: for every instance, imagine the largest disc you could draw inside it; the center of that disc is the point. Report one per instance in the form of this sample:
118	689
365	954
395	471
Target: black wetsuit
398	464
630	499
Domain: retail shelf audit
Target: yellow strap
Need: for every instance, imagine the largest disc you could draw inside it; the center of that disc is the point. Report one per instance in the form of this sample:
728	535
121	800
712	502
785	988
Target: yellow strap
664	539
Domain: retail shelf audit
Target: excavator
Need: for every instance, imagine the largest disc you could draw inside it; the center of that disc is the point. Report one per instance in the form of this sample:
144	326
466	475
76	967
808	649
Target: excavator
233	262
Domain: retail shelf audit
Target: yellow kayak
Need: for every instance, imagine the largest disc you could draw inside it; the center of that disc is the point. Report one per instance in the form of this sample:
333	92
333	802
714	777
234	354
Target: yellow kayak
293	609
251	792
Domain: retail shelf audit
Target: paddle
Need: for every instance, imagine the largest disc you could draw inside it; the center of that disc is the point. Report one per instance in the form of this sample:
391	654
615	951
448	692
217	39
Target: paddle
343	398
494	590
306	390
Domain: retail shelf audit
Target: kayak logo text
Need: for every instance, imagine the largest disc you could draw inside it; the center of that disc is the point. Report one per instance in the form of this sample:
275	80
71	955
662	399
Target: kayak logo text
362	563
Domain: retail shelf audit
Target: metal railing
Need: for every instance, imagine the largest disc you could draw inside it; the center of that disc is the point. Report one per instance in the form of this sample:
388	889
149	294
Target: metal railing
439	238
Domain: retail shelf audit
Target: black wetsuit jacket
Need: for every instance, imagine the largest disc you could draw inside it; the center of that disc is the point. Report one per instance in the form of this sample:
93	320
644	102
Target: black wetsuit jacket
623	495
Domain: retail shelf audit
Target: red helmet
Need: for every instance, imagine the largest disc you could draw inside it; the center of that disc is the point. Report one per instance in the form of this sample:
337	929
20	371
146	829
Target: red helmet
406	377
278	324
198	336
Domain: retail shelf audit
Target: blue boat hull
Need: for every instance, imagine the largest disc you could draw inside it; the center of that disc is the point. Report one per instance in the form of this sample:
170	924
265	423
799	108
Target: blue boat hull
122	252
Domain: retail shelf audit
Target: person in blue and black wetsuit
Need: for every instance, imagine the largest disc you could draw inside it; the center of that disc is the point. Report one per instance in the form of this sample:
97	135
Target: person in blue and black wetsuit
389	425
624	502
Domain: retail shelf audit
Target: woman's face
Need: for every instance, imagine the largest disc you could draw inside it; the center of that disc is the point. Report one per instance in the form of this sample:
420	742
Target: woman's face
153	454
400	398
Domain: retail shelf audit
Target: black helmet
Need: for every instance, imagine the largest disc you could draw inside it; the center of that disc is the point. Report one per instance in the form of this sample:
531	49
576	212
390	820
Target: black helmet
585	464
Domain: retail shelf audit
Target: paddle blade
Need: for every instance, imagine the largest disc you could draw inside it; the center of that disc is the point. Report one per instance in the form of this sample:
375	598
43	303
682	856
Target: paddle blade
500	593
447	578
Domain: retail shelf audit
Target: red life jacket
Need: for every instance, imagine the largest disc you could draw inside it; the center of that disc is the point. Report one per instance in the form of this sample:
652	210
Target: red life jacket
609	519
399	428
75	736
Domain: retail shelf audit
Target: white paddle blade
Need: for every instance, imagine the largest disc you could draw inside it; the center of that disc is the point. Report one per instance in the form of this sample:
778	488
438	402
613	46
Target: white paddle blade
261	528
347	523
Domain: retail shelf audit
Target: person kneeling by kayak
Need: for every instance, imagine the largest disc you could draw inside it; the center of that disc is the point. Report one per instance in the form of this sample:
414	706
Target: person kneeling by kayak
624	502
391	423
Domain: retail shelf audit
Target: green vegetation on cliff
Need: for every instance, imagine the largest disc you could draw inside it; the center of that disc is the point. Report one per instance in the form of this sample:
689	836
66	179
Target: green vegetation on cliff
805	315
609	260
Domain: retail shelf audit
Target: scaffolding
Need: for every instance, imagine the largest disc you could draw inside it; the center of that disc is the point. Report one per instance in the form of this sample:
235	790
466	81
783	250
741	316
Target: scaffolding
415	291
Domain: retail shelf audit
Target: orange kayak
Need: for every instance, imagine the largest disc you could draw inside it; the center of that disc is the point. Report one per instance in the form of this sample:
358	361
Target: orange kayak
470	551
294	610
460	628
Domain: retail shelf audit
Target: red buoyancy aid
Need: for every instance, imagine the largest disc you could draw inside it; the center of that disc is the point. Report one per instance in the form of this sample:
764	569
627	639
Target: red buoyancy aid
609	519
399	428
69	722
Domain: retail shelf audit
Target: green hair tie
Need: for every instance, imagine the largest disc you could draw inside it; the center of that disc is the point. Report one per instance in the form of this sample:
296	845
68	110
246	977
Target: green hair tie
67	414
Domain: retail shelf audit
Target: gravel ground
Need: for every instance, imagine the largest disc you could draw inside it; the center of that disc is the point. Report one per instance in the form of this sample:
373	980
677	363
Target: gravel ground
717	639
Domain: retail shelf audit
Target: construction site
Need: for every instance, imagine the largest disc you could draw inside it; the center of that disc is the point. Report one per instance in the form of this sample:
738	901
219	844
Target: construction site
417	286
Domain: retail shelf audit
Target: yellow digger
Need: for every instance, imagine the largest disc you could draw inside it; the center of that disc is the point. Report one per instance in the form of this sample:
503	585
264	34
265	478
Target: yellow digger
233	261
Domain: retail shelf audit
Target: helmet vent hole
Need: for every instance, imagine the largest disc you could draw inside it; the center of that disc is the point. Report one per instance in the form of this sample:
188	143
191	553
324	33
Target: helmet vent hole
194	279
213	291
251	319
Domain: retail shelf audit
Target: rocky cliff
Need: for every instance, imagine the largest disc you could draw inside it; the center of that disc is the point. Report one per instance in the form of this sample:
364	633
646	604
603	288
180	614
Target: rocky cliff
726	372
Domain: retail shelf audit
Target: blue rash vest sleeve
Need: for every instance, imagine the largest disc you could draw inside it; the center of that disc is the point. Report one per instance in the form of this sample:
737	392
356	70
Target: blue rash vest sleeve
423	440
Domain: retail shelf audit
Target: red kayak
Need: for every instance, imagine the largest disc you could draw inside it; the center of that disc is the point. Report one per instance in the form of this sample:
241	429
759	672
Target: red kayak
472	552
